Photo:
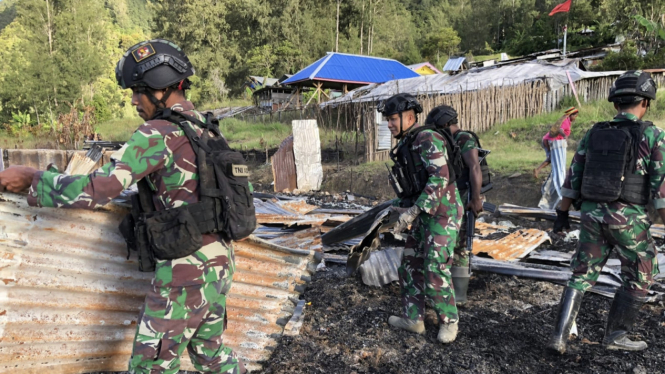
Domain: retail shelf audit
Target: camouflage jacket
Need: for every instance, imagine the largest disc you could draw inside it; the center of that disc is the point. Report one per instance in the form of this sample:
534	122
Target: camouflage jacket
438	198
465	141
160	152
650	162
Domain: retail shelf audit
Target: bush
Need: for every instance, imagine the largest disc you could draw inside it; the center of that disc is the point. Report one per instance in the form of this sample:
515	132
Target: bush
102	111
626	59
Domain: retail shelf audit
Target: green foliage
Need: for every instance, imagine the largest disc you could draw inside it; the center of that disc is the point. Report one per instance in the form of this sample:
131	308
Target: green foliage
626	59
440	41
20	123
57	52
102	112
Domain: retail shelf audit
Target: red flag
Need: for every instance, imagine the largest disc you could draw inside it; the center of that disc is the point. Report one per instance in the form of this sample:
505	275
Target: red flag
563	7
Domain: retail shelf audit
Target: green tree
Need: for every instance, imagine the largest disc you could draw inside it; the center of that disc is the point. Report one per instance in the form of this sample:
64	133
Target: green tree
442	41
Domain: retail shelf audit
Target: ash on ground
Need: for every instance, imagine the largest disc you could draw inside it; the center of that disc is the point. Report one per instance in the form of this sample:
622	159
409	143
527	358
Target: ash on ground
503	328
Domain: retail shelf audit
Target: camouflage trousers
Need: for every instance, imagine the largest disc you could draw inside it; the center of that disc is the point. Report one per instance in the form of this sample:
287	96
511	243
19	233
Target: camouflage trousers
461	255
634	247
425	271
175	318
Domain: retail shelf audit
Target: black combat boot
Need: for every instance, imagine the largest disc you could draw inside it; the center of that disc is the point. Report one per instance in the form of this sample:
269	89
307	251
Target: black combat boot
623	313
460	275
571	299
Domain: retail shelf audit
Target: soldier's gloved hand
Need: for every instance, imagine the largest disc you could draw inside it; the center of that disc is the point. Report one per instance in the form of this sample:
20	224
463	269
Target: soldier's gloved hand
561	221
406	218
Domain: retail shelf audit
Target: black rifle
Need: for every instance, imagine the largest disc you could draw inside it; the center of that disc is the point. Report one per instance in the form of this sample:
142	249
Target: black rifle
470	214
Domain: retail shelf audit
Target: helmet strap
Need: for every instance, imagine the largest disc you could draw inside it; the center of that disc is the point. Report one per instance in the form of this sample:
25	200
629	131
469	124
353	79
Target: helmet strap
159	103
401	129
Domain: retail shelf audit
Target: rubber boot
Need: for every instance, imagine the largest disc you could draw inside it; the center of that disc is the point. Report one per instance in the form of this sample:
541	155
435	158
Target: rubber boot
407	324
447	333
460	275
571	299
623	313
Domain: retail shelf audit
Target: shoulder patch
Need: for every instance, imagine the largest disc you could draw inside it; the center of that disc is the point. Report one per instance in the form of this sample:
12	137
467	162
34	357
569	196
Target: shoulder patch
143	52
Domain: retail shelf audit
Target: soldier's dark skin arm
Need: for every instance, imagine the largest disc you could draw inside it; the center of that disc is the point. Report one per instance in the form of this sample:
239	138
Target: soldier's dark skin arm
476	180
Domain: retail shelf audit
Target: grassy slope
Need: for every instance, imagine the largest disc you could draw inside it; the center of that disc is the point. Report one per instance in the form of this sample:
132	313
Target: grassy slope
522	153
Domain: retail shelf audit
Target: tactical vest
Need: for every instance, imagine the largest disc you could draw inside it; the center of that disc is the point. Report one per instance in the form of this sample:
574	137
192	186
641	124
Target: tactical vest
225	204
611	158
409	175
463	181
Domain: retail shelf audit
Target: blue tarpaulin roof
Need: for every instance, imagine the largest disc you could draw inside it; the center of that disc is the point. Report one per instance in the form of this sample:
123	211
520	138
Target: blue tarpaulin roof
352	69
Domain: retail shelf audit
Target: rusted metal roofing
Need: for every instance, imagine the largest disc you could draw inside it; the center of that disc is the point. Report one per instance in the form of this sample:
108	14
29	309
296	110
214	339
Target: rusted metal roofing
41	158
69	298
284	167
297	206
511	247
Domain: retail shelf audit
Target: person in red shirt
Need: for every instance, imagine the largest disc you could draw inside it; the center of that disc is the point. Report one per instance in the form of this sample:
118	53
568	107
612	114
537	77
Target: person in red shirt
558	132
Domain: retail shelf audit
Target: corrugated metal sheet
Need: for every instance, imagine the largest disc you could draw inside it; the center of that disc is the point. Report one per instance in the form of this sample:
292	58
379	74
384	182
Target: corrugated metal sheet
342	67
454	63
284	167
513	246
381	267
307	154
297	206
40	159
69	298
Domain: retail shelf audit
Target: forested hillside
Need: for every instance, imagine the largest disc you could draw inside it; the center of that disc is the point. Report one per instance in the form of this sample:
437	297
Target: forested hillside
61	52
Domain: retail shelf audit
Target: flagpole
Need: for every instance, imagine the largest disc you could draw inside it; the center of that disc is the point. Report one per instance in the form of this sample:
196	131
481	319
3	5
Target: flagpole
565	34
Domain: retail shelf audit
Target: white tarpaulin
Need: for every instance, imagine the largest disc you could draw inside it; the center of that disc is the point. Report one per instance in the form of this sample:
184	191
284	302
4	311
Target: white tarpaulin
307	152
474	79
551	189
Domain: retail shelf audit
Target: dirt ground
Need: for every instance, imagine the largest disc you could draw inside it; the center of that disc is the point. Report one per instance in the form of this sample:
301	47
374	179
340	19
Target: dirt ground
503	329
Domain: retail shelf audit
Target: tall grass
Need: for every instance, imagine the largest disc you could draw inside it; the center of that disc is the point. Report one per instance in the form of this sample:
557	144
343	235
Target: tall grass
119	129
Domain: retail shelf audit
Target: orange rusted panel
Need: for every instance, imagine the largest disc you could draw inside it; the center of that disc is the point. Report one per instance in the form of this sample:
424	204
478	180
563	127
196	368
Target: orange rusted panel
284	167
297	206
69	298
511	247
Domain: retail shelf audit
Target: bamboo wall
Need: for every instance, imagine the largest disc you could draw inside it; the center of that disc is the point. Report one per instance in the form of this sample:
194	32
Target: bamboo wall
478	110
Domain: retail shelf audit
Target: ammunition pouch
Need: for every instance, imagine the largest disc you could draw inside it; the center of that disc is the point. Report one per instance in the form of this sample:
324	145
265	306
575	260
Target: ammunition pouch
408	183
162	235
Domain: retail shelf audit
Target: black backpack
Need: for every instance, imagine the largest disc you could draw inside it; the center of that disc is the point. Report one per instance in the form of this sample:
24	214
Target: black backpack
225	205
223	178
611	158
463	180
455	161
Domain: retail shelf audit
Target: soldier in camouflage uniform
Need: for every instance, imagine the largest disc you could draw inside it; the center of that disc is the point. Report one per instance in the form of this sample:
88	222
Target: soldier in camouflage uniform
446	117
186	305
435	214
609	222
